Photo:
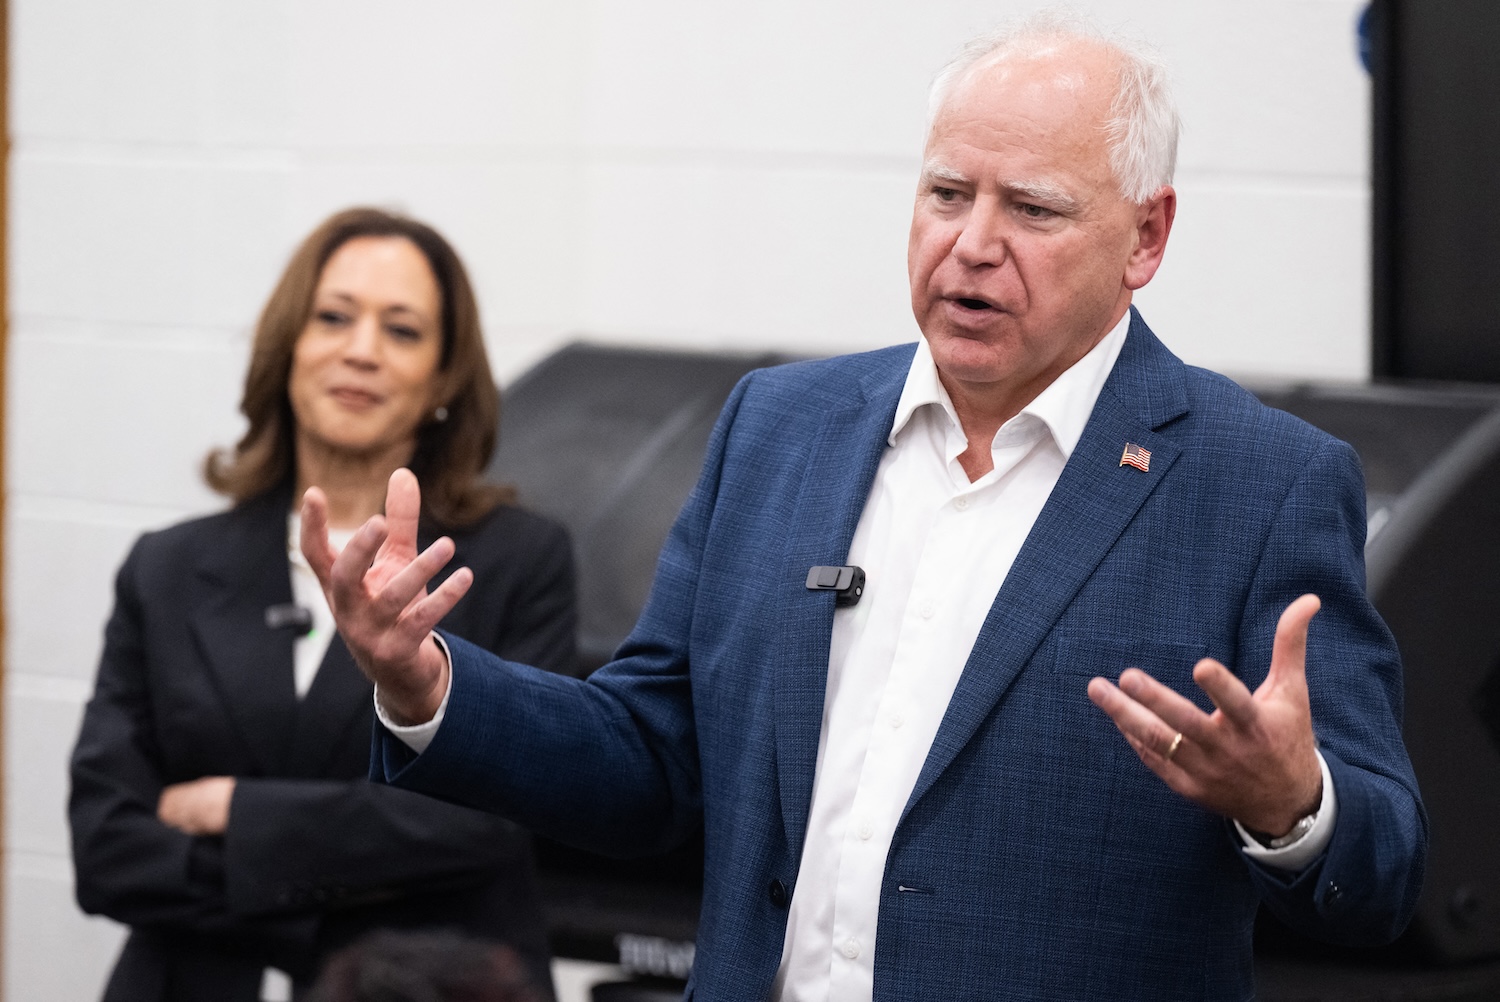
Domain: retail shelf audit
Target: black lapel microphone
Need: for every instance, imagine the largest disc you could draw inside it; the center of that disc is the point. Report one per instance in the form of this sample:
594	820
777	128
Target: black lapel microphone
847	583
290	616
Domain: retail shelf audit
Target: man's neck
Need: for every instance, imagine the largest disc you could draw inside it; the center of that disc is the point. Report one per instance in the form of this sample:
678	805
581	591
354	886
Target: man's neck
983	409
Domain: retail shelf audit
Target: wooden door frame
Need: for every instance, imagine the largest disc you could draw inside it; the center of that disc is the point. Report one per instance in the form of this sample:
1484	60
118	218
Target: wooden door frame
4	483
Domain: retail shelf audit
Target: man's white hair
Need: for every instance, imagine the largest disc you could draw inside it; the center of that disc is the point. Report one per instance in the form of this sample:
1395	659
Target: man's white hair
1143	124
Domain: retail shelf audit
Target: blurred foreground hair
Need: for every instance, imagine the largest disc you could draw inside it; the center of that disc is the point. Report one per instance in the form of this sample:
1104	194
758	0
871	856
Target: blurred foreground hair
390	966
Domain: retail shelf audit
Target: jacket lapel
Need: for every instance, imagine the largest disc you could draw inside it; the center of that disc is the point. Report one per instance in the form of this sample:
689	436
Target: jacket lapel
1094	501
836	483
238	577
339	697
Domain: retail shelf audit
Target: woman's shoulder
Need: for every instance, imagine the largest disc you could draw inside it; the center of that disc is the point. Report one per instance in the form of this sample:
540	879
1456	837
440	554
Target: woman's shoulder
509	533
245	527
510	543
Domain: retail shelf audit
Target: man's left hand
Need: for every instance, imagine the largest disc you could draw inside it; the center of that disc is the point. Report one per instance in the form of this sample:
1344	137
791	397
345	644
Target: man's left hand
1254	759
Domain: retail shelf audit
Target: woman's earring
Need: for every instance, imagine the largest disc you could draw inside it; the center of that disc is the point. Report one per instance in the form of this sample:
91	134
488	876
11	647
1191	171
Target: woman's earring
441	414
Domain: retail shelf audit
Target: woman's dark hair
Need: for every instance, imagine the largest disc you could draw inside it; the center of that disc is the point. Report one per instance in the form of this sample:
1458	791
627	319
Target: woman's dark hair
450	454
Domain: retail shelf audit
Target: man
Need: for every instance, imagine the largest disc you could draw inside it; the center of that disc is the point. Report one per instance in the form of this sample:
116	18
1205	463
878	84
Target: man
910	797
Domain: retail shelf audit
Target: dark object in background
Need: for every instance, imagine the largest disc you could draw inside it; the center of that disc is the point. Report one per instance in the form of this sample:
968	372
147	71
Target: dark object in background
1434	574
424	967
609	441
635	991
1436	232
1432	466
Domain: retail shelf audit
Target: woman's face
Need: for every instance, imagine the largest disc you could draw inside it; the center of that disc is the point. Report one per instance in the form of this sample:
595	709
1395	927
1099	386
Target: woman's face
364	369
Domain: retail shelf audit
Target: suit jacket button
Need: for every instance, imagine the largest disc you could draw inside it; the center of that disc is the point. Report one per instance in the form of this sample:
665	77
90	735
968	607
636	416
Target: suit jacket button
778	894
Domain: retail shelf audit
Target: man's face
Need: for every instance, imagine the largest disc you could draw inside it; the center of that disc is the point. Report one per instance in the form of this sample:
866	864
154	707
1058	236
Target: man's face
1023	253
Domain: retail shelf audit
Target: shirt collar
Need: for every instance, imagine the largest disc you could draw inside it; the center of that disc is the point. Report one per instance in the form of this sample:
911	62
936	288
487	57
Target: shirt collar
337	538
1064	406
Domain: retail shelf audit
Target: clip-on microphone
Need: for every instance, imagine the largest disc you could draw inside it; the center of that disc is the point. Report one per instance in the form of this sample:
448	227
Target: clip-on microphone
290	616
847	582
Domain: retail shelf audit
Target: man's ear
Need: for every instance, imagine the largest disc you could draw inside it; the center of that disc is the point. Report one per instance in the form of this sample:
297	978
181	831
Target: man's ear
1153	224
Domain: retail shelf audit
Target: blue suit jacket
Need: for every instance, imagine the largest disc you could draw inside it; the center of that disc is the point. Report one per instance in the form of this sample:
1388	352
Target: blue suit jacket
1037	857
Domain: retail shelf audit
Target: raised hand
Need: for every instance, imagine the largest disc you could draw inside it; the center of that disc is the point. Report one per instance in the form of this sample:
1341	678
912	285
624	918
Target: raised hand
377	589
1253	759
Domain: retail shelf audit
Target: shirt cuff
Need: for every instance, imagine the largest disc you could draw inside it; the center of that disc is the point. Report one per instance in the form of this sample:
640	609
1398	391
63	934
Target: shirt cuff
1302	852
418	736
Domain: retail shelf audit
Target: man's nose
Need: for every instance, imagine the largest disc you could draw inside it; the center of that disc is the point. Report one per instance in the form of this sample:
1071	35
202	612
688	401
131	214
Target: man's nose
982	240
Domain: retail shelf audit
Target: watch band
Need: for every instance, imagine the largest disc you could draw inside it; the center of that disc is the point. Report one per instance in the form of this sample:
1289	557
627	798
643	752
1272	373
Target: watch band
1301	828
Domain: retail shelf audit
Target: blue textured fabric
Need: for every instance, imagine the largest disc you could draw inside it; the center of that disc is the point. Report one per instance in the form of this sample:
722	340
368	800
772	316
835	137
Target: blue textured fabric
1037	858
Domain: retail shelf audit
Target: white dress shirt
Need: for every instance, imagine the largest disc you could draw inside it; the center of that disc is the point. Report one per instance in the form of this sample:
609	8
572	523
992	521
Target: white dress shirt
311	646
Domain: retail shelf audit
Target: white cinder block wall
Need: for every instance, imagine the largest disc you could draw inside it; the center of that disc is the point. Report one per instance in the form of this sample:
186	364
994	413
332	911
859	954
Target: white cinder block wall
663	171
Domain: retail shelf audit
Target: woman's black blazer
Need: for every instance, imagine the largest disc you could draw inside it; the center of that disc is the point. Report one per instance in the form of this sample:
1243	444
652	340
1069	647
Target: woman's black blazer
194	683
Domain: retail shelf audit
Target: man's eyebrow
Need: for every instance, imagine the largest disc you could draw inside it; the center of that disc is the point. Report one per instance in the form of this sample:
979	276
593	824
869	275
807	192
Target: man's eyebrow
936	170
1043	191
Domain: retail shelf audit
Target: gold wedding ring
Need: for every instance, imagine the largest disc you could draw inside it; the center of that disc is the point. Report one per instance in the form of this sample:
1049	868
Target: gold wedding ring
1172	748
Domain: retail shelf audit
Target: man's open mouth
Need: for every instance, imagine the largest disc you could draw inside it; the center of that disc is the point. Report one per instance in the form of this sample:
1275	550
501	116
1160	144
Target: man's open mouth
974	304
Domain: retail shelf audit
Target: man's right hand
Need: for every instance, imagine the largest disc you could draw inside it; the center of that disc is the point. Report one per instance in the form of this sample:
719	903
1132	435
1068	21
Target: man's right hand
377	590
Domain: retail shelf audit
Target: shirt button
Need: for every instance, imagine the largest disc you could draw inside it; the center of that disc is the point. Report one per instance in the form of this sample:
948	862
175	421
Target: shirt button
897	720
866	832
926	610
850	948
961	504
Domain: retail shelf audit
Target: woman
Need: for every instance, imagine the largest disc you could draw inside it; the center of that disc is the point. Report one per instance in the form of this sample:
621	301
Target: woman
219	805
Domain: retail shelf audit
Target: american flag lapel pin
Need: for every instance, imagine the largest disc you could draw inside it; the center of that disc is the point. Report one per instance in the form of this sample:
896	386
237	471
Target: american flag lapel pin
1136	456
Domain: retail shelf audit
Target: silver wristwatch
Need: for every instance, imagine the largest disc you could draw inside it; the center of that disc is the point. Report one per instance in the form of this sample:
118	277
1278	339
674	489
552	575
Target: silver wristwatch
1301	828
